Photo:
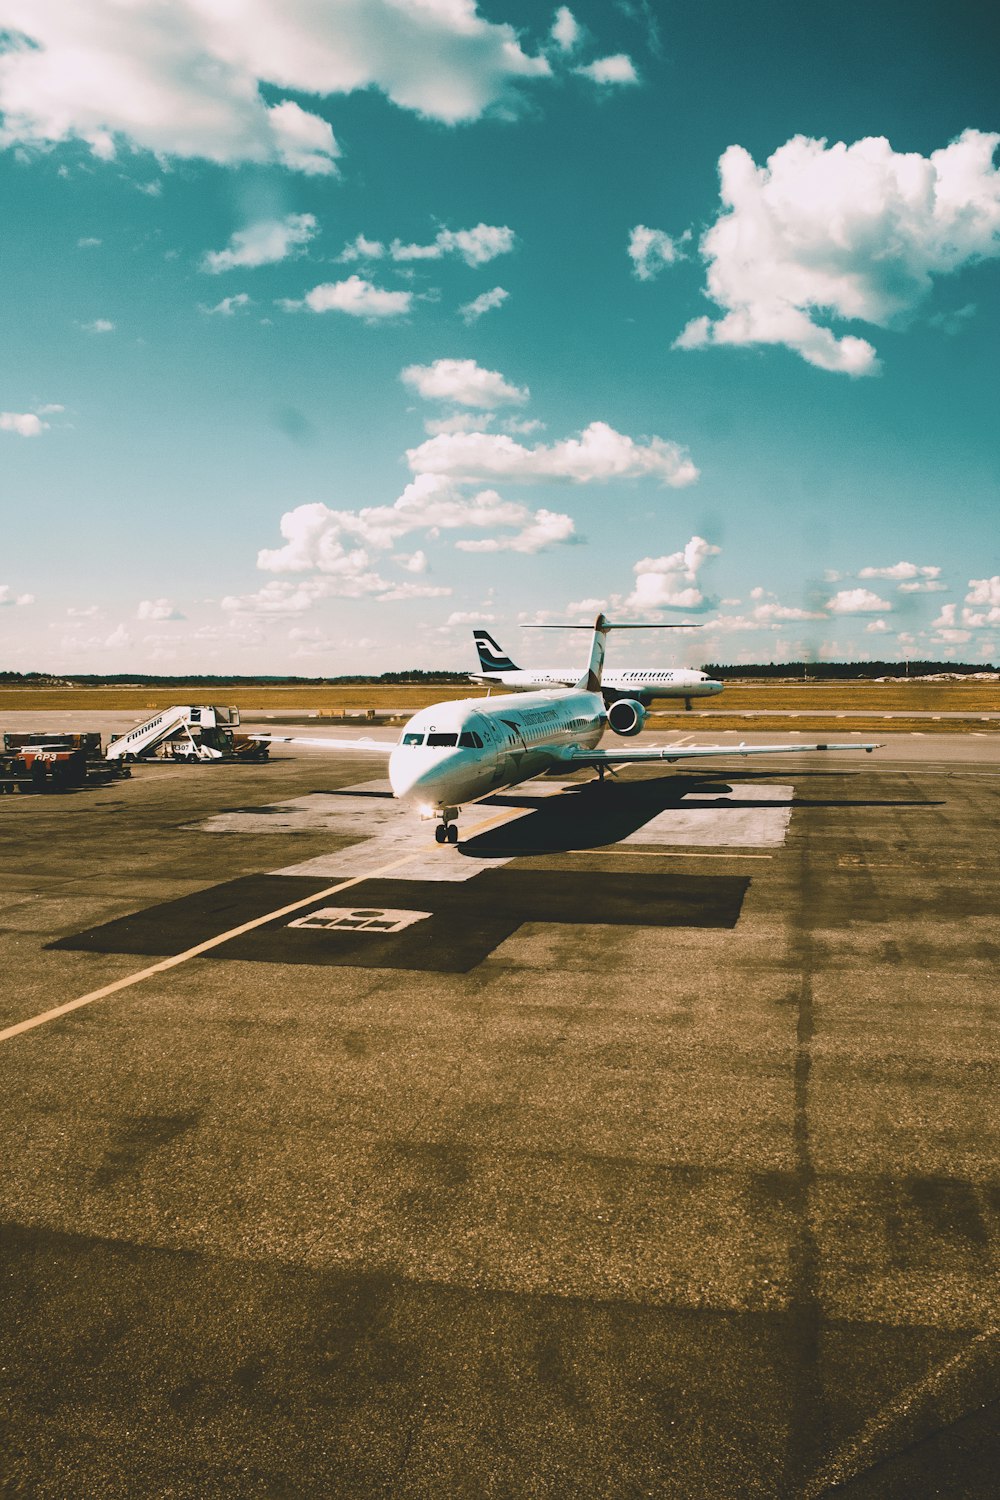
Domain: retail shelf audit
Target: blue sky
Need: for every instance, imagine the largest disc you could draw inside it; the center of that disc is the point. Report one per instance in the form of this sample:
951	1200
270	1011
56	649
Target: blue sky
334	329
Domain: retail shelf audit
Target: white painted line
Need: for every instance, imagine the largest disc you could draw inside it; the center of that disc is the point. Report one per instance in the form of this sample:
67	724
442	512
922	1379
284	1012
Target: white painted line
166	964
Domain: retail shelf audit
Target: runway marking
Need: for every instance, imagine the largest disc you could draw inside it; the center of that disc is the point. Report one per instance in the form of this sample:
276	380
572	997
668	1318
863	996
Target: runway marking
166	964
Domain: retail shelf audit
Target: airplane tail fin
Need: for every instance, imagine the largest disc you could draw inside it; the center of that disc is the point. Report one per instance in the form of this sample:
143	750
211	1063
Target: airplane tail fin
590	682
492	657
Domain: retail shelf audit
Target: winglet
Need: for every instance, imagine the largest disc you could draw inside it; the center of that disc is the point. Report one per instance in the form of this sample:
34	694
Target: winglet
590	682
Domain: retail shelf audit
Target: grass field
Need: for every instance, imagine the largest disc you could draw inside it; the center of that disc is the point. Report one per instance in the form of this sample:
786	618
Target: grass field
853	698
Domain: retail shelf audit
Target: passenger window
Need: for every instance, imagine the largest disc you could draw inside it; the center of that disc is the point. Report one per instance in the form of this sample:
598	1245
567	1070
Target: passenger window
442	739
413	739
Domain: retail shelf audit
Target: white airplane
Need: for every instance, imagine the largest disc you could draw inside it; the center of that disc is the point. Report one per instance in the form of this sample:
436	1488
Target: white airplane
458	752
636	683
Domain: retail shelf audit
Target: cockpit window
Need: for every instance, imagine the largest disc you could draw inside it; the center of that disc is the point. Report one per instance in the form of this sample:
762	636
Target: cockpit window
442	739
413	739
469	740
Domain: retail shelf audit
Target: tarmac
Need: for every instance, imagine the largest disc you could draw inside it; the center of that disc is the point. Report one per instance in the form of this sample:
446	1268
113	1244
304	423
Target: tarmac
643	1144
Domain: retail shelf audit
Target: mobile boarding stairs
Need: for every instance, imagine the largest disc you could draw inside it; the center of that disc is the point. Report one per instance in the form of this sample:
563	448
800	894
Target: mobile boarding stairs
185	732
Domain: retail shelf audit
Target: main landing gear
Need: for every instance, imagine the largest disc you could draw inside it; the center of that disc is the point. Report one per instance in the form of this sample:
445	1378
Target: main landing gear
447	832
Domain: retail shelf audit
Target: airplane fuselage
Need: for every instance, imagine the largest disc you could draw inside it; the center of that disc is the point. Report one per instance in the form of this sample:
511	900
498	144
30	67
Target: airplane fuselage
643	686
458	752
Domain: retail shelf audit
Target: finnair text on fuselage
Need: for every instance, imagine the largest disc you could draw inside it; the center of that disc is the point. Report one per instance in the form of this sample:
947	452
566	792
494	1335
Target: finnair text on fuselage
678	682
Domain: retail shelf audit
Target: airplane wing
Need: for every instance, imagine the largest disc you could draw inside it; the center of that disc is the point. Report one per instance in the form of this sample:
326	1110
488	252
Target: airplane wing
671	753
370	747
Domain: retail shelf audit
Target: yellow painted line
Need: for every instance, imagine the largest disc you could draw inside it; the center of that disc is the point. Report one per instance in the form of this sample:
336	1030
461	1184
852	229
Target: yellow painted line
224	937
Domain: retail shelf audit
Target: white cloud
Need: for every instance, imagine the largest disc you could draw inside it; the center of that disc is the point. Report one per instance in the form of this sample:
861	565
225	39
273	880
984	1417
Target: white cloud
463	382
900	570
671	582
544	529
338	542
469	617
652	249
228	307
158	609
857	602
522	426
984	591
459	421
118	639
99	325
476	246
185	80
262	244
852	232
566	31
472	311
600	453
984	597
772	612
876	627
24	423
356	297
8	597
610	71
923	586
362	249
88	242
414	562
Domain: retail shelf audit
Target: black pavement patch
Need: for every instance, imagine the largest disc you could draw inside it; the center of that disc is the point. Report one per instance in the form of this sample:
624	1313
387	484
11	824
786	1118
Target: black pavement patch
466	921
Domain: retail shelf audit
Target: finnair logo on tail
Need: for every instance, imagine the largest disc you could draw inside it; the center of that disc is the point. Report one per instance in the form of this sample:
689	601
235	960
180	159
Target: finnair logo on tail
491	656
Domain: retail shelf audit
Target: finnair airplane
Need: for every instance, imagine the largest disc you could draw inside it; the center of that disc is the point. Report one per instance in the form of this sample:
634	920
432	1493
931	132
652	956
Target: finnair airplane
637	683
453	753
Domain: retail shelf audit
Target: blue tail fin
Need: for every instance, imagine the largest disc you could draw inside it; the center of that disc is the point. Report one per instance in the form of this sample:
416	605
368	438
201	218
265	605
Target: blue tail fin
491	656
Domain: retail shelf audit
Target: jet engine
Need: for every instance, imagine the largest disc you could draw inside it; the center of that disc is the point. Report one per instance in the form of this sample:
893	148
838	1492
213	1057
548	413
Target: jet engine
626	717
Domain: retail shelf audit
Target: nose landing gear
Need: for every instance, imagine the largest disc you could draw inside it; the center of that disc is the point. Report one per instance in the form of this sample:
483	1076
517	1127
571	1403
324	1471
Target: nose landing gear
447	832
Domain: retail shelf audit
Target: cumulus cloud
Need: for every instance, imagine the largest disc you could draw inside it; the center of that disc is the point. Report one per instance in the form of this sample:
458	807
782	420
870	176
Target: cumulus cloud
463	382
857	602
228	307
544	529
361	248
876	627
24	423
414	562
262	244
610	71
982	603
356	297
671	582
599	453
99	325
458	421
476	246
8	596
847	232
472	311
338	543
650	250
186	80
158	609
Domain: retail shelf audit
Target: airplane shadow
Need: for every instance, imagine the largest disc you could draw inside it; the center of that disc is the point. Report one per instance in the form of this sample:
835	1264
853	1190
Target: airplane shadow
589	815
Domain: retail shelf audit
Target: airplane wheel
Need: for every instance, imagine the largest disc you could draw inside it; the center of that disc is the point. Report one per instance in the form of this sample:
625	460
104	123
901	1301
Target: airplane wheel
453	833
441	833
